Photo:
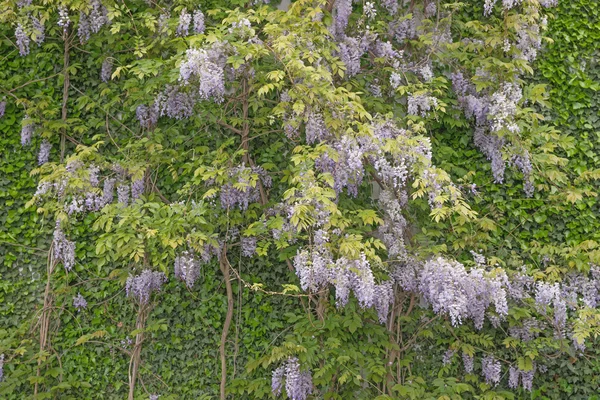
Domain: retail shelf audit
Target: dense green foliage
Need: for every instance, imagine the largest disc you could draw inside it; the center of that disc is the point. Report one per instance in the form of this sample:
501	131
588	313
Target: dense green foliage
88	353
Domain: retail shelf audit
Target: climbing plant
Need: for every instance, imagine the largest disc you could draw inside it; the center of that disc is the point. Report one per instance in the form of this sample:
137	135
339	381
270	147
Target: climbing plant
370	200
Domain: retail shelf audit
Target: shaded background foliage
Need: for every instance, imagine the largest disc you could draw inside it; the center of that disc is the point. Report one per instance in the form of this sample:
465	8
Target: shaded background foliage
548	230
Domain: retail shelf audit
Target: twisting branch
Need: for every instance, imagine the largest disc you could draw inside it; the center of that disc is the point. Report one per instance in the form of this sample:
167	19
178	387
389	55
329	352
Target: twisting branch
225	268
134	362
66	85
45	317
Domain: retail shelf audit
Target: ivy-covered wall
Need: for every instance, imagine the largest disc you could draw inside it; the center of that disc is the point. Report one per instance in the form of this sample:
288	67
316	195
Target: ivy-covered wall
90	350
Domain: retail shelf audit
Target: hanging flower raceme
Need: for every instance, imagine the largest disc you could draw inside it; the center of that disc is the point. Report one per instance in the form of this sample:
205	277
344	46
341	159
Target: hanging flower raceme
64	249
187	268
79	302
140	287
207	68
298	384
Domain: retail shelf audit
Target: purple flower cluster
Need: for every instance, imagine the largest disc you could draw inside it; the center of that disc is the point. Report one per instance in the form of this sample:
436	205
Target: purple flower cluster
449	288
38	31
491	370
79	302
467	363
92	22
350	53
1	367
298	385
244	187
140	287
315	128
123	194
184	23
198	21
175	103
187	268
2	108
44	153
420	104
106	70
137	189
147	115
84	30
22	40
208	67
317	270
64	249
248	246
163	23
448	355
63	18
341	11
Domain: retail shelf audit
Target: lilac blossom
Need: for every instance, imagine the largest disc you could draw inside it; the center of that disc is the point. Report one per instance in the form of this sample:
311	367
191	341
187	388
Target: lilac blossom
106	70
448	355
98	16
38	29
26	132
529	329
208	66
79	302
44	153
140	287
491	370
527	378
63	18
491	146
22	40
93	172
449	288
369	10
383	298
199	21
175	103
248	246
391	6
187	268
123	194
184	23
488	7
147	115
163	20
316	131
342	10
467	363
108	191
513	377
84	29
245	190
64	249
420	104
1	367
298	384
350	53
276	380
137	189
2	108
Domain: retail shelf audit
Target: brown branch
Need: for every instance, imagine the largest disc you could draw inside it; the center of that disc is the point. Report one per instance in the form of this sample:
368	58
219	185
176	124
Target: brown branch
225	268
134	363
33	81
45	317
65	99
226	125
